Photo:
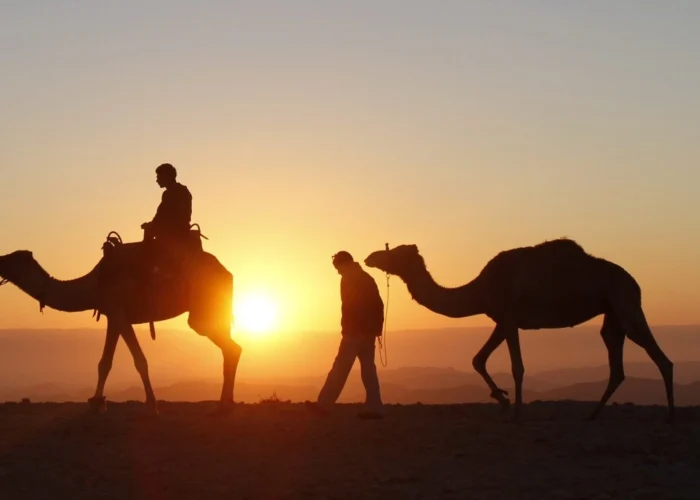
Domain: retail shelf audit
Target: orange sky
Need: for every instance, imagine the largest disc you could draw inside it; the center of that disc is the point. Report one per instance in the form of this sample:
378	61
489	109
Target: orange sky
300	134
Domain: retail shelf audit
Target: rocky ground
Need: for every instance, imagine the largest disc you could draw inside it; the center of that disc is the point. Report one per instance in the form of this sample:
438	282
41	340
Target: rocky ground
280	450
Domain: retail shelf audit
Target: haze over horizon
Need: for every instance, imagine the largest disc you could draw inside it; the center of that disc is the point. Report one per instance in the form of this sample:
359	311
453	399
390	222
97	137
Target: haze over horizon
465	128
29	357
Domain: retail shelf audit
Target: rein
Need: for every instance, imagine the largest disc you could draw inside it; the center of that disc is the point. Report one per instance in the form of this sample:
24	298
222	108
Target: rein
384	359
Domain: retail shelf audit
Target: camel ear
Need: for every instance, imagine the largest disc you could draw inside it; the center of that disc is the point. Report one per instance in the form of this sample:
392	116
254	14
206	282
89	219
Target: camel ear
413	248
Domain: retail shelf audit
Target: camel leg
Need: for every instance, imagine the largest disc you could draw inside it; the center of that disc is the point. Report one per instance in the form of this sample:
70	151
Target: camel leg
517	367
141	364
479	363
640	333
614	338
97	402
231	351
211	313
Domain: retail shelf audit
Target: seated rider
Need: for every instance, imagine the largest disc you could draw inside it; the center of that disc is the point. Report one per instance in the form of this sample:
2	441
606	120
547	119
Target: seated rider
171	224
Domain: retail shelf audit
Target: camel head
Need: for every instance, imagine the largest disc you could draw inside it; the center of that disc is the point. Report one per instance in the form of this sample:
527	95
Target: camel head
402	261
14	264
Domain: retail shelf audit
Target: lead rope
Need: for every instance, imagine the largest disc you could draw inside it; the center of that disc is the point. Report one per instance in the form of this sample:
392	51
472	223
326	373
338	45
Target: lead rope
382	340
384	359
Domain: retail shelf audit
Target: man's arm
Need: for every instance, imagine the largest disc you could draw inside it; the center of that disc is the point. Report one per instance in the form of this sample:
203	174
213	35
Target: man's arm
378	303
345	296
349	308
161	211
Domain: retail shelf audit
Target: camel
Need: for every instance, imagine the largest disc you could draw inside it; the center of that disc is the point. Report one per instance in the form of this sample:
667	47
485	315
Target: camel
554	284
114	290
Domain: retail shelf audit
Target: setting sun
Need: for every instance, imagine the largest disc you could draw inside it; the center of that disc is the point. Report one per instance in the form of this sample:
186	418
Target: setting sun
255	313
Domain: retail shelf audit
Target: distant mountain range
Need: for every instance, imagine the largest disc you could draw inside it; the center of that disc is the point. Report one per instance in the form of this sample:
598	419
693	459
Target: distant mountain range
428	366
408	386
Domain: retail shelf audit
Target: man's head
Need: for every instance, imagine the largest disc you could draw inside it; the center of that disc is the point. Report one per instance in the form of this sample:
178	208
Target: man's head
342	261
166	175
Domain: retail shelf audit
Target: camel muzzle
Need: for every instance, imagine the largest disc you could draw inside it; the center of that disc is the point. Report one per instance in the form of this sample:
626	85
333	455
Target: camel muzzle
372	260
3	279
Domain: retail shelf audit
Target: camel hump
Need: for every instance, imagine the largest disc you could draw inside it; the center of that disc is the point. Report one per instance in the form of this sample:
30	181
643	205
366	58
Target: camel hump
549	252
560	245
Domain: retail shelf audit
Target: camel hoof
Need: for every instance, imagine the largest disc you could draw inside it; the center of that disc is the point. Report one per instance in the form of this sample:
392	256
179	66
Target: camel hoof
97	404
505	406
515	416
152	408
594	415
501	396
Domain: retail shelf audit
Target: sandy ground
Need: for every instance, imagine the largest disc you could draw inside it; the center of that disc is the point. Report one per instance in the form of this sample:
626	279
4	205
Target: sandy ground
282	451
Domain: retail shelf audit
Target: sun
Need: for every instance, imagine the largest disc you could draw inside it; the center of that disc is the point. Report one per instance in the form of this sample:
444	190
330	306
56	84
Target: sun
255	313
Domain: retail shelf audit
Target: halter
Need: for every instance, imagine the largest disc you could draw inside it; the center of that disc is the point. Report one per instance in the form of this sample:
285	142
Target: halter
42	291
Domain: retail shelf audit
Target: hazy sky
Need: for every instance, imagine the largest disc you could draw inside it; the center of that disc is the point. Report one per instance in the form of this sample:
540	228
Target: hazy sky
303	128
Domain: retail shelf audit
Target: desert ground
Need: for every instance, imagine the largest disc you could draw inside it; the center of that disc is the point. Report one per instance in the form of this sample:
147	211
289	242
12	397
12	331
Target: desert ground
280	450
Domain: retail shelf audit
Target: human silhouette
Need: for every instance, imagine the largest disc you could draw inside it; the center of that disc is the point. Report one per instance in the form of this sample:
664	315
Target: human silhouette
166	235
362	319
172	218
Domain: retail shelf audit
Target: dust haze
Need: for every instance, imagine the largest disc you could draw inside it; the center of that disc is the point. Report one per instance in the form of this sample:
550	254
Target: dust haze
427	366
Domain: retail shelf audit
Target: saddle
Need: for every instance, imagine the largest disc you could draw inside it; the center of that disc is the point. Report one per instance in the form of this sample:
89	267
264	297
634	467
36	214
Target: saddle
150	262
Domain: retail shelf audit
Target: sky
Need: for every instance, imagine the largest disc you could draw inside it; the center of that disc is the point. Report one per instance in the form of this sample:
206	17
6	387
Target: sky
304	128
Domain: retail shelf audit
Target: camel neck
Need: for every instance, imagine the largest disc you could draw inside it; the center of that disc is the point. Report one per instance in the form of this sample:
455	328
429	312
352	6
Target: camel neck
459	302
68	296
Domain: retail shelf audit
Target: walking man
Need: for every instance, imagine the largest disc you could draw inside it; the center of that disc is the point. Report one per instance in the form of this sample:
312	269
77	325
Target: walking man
362	320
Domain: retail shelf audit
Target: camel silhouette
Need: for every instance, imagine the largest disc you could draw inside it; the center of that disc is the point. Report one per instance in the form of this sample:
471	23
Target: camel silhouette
114	289
554	284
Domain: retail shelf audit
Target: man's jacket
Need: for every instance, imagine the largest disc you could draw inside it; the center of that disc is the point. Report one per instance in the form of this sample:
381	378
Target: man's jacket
173	216
362	306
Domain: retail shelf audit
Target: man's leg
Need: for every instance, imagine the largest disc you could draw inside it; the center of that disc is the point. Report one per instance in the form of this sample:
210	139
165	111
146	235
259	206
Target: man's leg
335	381
368	370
